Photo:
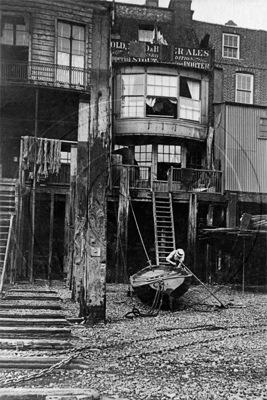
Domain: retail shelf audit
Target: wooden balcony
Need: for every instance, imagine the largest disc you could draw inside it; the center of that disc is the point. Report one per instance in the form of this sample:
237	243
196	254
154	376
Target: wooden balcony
195	180
44	74
179	179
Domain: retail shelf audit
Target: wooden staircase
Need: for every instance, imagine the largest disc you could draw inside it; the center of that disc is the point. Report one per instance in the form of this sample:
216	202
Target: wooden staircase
163	226
7	209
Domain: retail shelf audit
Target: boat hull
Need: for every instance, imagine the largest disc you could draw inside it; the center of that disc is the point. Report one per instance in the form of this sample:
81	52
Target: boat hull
145	284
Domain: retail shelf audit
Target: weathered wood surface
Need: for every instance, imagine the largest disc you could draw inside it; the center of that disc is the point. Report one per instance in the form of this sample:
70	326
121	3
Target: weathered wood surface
9	305
38	291
44	393
34	344
4	314
33	321
32	297
39	363
13	332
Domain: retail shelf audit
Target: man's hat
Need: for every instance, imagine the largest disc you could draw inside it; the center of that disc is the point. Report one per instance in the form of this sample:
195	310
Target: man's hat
180	253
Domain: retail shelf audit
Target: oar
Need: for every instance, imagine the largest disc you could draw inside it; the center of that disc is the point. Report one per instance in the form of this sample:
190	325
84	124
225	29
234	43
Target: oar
188	270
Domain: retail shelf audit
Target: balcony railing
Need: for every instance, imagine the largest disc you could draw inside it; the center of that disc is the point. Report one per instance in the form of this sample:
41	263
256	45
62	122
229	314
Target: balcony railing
62	178
179	179
139	176
44	74
194	180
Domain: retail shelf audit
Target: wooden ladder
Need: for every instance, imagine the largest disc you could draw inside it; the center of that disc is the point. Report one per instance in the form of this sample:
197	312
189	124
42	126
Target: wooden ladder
163	226
7	210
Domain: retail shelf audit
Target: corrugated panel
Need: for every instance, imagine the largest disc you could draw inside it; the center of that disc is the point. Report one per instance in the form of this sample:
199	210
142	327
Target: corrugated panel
245	153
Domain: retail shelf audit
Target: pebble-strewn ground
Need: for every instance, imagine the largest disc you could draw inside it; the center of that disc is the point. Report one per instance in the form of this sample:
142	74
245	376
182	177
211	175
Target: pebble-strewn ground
199	352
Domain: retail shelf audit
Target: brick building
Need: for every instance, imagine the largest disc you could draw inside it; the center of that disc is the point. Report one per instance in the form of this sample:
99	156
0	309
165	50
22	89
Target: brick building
240	120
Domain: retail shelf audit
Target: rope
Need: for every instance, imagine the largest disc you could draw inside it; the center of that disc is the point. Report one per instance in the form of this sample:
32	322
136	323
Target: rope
149	261
155	308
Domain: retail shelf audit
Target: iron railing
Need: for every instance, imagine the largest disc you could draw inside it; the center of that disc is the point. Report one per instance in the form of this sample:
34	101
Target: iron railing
195	180
36	73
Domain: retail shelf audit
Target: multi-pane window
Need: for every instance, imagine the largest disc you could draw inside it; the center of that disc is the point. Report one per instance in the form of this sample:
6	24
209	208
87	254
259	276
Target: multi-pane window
70	52
146	34
132	100
190	104
143	156
244	88
161	97
15	34
230	47
169	154
154	95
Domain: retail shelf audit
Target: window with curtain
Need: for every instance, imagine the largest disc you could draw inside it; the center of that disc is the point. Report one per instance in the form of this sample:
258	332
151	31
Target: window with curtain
244	88
132	99
146	34
230	46
161	99
190	104
155	95
70	53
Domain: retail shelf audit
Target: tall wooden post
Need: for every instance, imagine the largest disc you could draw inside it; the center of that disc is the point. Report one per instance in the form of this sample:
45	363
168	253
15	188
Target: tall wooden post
192	230
121	275
51	230
33	193
208	247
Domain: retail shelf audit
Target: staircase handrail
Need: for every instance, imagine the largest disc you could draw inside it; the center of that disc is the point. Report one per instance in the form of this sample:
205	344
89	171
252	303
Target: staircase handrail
11	223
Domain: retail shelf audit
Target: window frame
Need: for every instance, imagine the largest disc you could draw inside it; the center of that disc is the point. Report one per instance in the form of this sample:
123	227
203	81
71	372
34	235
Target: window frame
224	46
15	23
67	71
242	90
167	112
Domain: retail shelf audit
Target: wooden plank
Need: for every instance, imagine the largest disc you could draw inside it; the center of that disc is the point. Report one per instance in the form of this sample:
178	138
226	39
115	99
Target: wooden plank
32	291
32	321
4	314
6	331
40	298
9	305
30	344
43	393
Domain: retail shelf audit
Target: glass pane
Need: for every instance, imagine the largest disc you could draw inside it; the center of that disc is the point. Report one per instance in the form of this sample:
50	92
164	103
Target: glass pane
77	61
64	30
132	85
78	48
7	37
63	45
22	36
78	32
63	59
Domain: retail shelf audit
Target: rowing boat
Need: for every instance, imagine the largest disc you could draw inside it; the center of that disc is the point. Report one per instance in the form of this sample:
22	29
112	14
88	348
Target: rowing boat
172	281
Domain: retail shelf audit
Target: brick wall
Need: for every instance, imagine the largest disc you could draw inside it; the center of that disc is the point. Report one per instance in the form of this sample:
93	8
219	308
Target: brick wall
253	57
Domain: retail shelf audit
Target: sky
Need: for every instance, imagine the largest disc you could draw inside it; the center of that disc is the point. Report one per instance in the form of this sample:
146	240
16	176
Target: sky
250	14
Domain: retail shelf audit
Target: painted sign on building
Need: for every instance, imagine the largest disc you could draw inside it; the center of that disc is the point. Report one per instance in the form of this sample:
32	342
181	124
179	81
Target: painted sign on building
153	52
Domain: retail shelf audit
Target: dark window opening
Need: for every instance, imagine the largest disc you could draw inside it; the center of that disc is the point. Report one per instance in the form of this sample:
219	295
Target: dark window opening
161	106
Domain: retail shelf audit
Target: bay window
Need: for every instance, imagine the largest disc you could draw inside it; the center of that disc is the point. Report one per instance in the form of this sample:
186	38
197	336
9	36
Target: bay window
160	95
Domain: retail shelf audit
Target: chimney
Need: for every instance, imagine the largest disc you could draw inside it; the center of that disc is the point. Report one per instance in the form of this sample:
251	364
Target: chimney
230	23
182	11
152	3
